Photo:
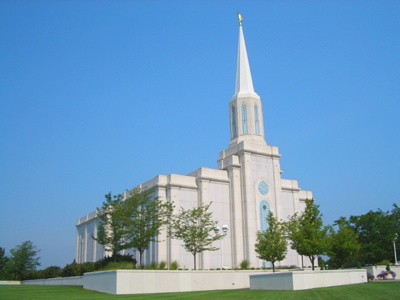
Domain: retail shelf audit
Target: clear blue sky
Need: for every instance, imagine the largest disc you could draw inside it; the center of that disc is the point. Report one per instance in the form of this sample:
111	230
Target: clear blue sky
100	96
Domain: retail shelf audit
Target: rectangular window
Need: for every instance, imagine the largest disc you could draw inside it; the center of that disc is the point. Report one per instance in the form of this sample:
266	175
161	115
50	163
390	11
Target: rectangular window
244	119
234	133
257	122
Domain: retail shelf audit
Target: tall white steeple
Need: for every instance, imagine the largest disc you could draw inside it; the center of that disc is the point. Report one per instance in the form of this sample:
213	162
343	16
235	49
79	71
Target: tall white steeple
245	107
244	83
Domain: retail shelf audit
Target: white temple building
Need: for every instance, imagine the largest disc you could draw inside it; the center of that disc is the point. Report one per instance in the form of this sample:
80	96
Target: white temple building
246	185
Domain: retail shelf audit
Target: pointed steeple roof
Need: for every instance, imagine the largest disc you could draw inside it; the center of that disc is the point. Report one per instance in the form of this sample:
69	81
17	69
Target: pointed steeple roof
244	83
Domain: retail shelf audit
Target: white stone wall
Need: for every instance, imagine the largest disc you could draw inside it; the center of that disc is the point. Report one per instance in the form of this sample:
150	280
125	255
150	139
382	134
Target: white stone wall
235	199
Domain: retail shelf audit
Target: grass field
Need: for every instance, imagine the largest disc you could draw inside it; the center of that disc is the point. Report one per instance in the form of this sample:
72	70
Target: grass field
376	290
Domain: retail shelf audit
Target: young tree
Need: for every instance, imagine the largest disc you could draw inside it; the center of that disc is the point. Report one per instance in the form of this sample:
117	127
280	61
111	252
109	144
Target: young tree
111	231
145	217
23	259
195	228
343	244
307	233
271	244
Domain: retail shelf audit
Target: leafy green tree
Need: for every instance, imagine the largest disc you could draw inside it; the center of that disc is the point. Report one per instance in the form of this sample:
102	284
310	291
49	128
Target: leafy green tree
3	263
376	231
23	259
145	217
271	244
307	233
71	270
52	272
195	228
343	244
111	231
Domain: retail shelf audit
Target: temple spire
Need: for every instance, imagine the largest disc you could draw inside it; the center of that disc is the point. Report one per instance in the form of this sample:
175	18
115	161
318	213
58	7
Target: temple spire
246	117
244	82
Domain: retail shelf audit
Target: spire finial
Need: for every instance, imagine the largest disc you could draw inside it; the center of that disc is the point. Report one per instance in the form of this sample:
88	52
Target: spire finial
240	18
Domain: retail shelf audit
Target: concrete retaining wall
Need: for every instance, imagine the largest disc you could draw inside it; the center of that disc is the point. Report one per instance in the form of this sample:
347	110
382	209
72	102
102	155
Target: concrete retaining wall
78	280
121	282
375	270
307	280
9	282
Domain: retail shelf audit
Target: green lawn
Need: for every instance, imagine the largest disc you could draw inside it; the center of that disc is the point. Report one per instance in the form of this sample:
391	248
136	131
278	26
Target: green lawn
376	290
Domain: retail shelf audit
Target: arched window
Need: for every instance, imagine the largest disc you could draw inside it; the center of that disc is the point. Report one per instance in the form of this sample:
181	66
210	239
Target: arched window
244	119
234	133
264	210
257	120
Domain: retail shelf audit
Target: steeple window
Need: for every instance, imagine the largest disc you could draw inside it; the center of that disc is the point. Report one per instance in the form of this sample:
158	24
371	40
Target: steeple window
256	119
234	129
245	129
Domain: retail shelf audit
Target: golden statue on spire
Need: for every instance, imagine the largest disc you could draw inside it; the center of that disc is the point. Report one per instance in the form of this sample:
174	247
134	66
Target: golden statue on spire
240	18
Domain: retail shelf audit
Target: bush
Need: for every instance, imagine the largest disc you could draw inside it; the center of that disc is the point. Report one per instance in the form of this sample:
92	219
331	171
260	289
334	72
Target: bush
52	272
370	276
87	267
119	266
244	265
384	262
71	270
162	265
174	265
101	264
153	266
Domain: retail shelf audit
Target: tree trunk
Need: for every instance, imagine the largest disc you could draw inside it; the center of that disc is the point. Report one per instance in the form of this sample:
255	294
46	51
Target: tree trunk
273	266
194	261
140	259
312	258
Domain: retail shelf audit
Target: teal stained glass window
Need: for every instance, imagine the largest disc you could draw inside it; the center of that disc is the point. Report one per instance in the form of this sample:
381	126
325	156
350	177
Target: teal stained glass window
264	209
234	133
257	120
244	119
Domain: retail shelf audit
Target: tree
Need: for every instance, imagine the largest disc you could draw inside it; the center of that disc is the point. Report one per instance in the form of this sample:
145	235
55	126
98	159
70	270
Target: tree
271	244
307	233
195	227
23	259
376	231
343	244
111	231
3	263
145	216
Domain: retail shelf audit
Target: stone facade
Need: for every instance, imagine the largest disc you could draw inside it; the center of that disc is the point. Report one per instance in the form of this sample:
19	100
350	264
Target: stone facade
246	185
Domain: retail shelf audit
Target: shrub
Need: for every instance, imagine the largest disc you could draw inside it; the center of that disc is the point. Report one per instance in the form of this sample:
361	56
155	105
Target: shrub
101	264
384	262
370	276
153	266
393	273
72	269
87	267
174	265
123	265
162	265
52	272
244	265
